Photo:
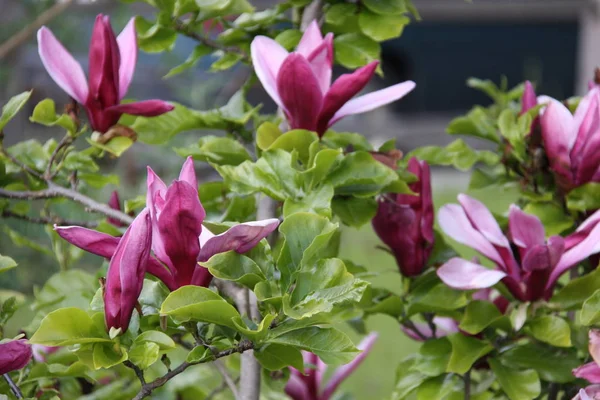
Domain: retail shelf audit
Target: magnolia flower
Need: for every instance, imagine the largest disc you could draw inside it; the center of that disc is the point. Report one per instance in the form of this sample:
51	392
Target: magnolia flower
14	355
571	141
405	222
528	101
309	386
40	351
527	264
300	82
111	66
179	241
591	371
591	392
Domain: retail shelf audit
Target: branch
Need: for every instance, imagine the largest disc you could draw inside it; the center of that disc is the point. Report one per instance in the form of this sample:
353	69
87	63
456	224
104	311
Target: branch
227	379
219	389
138	372
184	29
311	12
48	220
13	387
467	379
147	388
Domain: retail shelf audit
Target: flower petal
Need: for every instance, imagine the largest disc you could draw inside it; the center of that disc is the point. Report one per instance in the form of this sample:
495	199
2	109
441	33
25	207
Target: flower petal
559	135
267	57
128	49
146	108
462	274
373	100
483	220
14	355
240	238
104	64
311	39
300	93
321	61
590	372
525	230
95	242
188	173
529	99
296	388
594	344
62	67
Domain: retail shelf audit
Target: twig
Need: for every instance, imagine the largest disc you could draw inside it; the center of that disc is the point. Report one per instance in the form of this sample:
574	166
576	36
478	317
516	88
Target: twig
63	144
13	387
15	161
48	220
148	387
408	324
467	379
183	28
23	35
138	372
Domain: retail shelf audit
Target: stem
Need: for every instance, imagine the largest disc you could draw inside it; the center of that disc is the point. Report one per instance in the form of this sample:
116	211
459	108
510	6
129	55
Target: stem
138	372
467	379
48	220
63	144
13	387
553	391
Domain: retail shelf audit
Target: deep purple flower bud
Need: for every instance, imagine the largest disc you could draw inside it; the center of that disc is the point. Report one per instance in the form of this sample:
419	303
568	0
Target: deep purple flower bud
126	271
405	222
14	355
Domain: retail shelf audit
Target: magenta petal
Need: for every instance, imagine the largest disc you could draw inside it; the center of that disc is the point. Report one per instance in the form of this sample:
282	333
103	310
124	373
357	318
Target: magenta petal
311	39
462	274
126	271
240	238
594	344
296	388
590	372
104	64
529	99
525	230
345	371
300	92
343	89
62	67
146	108
89	240
14	355
373	100
321	61
483	220
162	272
267	57
188	173
127	41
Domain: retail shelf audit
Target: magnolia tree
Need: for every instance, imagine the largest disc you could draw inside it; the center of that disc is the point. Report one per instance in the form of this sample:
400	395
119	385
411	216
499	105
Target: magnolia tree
244	275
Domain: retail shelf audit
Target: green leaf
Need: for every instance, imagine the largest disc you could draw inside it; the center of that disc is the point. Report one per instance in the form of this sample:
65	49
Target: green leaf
289	39
584	198
258	335
514	132
266	134
45	113
466	351
154	38
433	357
22	241
317	201
331	345
6	263
67	326
407	379
435	297
457	154
360	174
162	340
381	27
275	357
226	61
476	123
518	385
478	316
106	355
296	139
386	7
98	181
144	354
342	18
440	388
12	107
198	52
195	303
550	364
353	50
231	266
344	140
552	330
590	312
199	354
552	215
577	291
354	211
217	150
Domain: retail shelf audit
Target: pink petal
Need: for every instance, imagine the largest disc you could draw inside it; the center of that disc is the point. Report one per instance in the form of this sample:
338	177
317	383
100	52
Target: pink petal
373	100
321	61
300	93
162	272
559	135
529	100
590	372
296	388
455	224
62	67
14	355
343	89
267	57
583	230
594	344
104	64
311	39
525	230
128	49
345	371
188	173
89	240
146	108
483	220
156	191
240	238
465	275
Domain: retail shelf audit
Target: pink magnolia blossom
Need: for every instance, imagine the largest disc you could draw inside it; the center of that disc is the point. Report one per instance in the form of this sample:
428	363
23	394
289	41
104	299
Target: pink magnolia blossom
405	222
590	371
527	263
179	241
309	386
111	67
528	101
300	82
14	355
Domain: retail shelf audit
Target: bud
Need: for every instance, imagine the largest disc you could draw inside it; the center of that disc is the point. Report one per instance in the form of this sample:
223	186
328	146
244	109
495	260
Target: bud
14	355
405	222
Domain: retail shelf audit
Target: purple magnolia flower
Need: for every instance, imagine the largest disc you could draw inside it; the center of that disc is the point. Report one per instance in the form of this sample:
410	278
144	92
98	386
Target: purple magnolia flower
405	222
309	386
528	101
40	351
527	264
591	392
571	140
112	63
300	82
14	355
179	241
591	371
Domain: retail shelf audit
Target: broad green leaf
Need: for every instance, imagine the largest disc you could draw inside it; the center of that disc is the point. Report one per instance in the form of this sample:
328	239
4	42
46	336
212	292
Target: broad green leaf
344	140
518	385
590	312
577	291
466	351
317	201
457	154
382	301
213	5
67	326
433	357
478	316
98	181
12	107
45	371
584	198
354	211
45	113
231	266
106	355
331	345
320	164
153	37
439	388
65	286
514	133
266	134
381	27
258	335
195	303
360	174
115	146
476	123
353	50
144	354
435	298
407	379
29	152
342	18
386	7
217	150
296	139
275	357
289	39
552	365
6	263
162	340
225	61
198	52
552	330
199	354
